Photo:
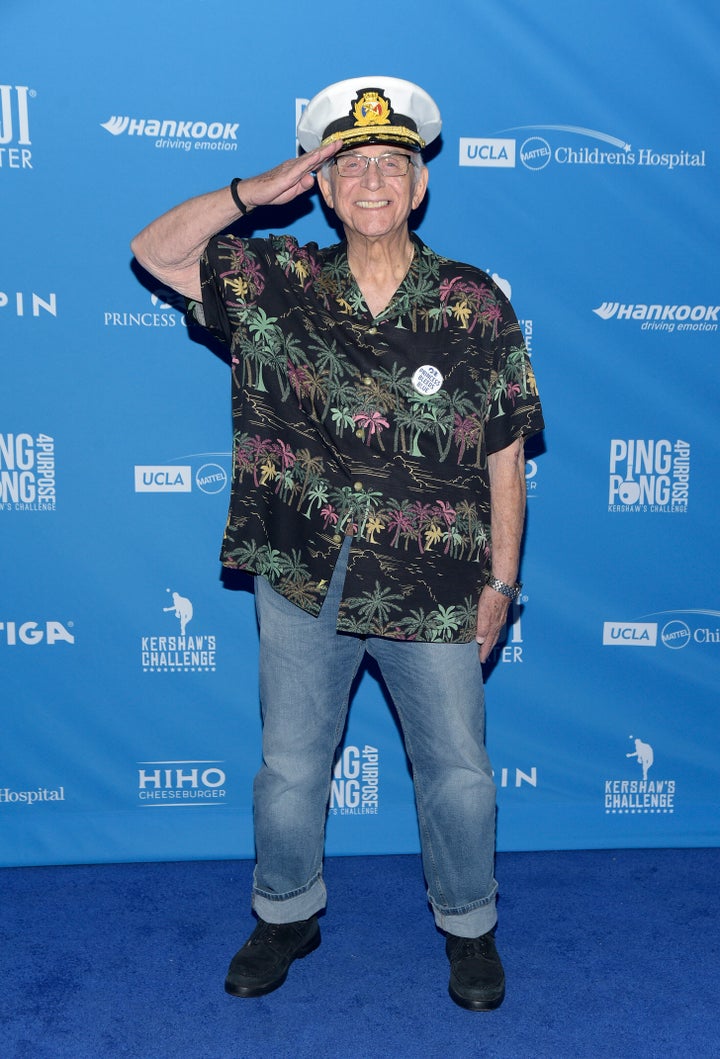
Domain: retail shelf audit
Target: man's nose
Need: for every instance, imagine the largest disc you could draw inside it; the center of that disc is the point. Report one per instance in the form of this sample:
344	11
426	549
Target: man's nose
372	177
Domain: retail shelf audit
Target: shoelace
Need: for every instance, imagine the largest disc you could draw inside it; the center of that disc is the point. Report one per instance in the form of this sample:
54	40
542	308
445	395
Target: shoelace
471	947
268	932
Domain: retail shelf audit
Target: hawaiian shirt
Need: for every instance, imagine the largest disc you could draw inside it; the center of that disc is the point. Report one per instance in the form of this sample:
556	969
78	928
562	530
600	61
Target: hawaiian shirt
379	427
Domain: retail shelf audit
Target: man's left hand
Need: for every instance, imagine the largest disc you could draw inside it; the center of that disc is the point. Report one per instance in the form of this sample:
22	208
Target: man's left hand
491	617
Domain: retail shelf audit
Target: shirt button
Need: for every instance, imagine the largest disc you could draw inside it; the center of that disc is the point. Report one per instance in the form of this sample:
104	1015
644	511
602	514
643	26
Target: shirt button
357	486
337	538
367	379
372	330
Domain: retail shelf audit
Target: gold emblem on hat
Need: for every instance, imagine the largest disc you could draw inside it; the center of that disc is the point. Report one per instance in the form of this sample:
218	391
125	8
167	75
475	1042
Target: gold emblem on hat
371	109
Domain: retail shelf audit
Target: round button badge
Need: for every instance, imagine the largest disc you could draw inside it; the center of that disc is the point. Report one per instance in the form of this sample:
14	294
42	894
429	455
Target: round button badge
427	380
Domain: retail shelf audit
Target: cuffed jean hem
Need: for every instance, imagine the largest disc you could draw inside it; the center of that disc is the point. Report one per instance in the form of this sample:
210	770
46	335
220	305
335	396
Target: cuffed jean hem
471	923
279	909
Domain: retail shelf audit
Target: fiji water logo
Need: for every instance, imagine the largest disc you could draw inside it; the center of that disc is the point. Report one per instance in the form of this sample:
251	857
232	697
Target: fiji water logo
509	650
15	141
647	795
182	651
649	476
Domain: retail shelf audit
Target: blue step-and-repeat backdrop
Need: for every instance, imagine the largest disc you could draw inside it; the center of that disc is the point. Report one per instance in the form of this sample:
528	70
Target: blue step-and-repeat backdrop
579	164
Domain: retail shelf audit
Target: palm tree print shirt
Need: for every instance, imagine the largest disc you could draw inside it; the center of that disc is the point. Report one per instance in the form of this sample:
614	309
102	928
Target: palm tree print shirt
375	426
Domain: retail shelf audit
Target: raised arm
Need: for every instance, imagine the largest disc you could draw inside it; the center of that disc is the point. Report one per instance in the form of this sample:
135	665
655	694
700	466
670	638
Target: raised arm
171	246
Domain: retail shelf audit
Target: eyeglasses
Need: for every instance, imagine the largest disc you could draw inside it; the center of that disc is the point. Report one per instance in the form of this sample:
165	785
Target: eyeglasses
355	165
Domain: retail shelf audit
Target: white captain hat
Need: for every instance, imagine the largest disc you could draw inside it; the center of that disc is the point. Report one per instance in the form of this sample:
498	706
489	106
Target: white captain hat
375	109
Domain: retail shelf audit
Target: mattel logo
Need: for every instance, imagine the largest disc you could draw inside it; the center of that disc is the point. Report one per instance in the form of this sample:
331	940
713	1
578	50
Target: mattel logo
163	479
630	634
499	154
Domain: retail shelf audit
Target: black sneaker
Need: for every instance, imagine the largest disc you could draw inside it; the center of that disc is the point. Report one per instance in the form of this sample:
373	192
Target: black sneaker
477	979
263	962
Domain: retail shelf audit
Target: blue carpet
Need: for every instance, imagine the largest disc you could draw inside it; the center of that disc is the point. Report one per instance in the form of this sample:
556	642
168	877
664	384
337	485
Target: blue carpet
608	954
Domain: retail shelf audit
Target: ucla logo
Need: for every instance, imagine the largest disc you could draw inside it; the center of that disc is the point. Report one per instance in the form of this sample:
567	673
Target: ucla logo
163	479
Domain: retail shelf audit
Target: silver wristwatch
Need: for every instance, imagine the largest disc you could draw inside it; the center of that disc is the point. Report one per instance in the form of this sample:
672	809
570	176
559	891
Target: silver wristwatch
509	591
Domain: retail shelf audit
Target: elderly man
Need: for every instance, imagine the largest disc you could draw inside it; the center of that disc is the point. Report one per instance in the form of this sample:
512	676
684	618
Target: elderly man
381	397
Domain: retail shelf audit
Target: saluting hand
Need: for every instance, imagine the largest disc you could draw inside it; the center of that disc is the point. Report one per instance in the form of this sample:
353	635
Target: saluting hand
287	180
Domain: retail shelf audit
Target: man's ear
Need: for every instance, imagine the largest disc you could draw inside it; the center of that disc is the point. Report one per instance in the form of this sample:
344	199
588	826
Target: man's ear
325	187
420	188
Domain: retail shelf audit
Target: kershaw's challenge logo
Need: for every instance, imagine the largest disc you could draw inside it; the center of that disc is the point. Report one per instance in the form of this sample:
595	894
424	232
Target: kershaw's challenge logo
181	653
640	796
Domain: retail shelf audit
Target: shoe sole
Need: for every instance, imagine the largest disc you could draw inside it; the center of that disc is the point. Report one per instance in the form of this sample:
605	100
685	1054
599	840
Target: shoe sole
477	1005
263	990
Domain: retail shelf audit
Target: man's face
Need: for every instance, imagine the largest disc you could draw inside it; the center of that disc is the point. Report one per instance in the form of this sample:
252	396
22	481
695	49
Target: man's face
371	203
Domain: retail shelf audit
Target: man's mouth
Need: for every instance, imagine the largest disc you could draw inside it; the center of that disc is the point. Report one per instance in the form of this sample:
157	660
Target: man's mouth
372	204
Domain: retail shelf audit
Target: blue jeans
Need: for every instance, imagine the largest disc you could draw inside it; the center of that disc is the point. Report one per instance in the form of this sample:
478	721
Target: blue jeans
306	671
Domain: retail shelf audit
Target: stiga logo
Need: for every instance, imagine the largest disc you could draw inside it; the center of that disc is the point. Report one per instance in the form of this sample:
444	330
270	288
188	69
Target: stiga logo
181	783
27	472
355	782
640	796
176	134
649	476
15	127
32	633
